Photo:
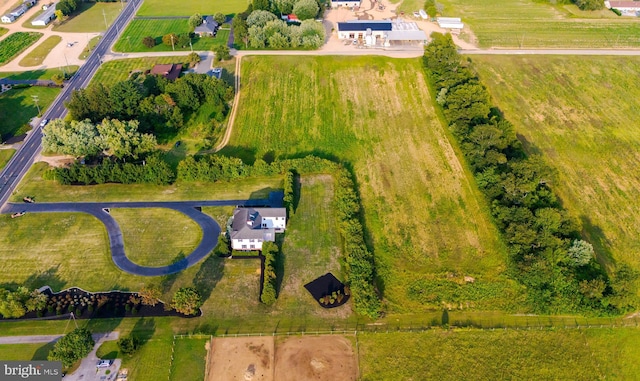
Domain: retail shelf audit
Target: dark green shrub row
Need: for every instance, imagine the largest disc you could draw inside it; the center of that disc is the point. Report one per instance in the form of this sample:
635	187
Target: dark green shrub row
244	253
269	251
151	171
546	250
288	187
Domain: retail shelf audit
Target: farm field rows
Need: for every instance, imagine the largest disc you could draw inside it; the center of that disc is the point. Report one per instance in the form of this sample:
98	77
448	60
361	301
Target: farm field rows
426	221
37	55
581	114
91	17
530	24
131	39
188	8
585	354
15	44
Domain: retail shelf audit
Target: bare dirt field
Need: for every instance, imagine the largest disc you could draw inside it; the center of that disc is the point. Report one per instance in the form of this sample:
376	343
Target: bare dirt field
329	358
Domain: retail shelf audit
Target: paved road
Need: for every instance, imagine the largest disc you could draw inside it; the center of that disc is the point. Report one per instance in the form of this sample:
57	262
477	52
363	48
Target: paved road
22	160
37	339
210	228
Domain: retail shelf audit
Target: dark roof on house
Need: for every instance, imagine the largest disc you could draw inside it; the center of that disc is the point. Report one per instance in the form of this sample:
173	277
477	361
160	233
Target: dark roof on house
361	26
247	223
209	25
169	71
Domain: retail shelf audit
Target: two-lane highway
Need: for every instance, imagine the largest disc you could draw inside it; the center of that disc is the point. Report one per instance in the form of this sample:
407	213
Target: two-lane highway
22	160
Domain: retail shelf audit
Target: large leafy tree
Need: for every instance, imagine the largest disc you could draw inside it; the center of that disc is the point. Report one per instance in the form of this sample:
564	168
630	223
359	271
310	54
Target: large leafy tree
72	138
306	9
187	300
72	347
195	20
122	139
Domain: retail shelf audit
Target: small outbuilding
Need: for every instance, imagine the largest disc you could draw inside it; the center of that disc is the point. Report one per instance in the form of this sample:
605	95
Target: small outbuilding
450	23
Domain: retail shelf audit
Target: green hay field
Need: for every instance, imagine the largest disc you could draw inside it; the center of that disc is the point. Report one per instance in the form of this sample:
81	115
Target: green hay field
424	215
588	354
533	24
131	39
91	17
188	8
581	113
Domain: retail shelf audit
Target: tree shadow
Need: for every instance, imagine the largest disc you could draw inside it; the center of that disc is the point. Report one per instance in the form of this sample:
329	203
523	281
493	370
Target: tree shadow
528	147
263	193
297	190
208	276
47	277
246	154
41	353
279	263
103	325
144	329
269	157
167	281
601	244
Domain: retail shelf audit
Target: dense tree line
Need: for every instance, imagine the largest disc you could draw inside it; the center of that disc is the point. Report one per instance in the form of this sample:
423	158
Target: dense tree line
152	170
260	28
289	188
544	241
67	6
159	105
15	304
269	252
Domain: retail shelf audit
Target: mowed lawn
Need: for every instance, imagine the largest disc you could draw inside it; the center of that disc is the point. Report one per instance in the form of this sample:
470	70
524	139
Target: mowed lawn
118	70
37	55
157	236
535	24
582	114
586	354
5	156
424	216
17	107
131	39
90	17
188	8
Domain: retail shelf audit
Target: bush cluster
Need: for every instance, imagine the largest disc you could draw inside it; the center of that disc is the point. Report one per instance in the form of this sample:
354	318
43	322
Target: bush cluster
269	252
289	196
544	242
153	170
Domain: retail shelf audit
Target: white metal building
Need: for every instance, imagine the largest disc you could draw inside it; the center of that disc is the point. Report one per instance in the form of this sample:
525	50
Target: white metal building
380	32
627	8
45	17
450	22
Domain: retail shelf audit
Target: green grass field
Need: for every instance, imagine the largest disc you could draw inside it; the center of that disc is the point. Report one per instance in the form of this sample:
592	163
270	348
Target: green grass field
3	31
588	354
425	218
190	361
90	46
182	8
15	44
118	70
5	156
38	74
90	17
32	352
579	112
532	24
156	237
131	39
17	108
37	55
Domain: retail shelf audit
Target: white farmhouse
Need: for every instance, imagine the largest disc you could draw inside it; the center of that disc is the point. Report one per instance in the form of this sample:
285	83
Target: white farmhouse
253	226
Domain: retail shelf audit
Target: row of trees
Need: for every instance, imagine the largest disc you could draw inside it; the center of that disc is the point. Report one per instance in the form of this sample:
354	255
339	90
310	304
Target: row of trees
545	246
262	29
152	170
289	192
67	7
158	105
269	294
15	304
118	139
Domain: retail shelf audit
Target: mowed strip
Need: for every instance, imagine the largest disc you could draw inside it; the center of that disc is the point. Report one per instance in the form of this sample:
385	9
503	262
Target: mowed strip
582	115
188	8
422	211
37	55
535	24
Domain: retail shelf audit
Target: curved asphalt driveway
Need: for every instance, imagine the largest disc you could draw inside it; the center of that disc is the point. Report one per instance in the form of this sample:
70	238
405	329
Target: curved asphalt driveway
210	228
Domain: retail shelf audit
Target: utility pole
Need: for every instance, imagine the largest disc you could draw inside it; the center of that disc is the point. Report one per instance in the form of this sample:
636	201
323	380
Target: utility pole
35	100
105	19
191	46
65	60
172	46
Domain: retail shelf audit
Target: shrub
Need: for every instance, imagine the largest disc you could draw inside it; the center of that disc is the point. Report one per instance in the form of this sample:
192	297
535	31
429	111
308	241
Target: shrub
187	301
149	42
269	251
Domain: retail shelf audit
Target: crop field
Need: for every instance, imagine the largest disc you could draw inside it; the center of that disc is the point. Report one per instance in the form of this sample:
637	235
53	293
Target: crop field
426	220
17	108
118	70
188	8
131	39
15	44
90	17
37	55
531	24
587	354
582	115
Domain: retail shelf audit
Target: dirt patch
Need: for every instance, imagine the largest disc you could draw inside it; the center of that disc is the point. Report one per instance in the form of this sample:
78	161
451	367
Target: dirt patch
329	358
246	358
317	358
56	161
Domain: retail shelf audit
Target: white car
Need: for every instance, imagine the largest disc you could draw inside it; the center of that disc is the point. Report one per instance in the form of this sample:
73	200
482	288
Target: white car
104	363
44	122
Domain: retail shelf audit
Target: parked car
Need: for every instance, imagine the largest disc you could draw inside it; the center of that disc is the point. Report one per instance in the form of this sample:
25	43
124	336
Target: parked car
104	363
44	122
18	214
